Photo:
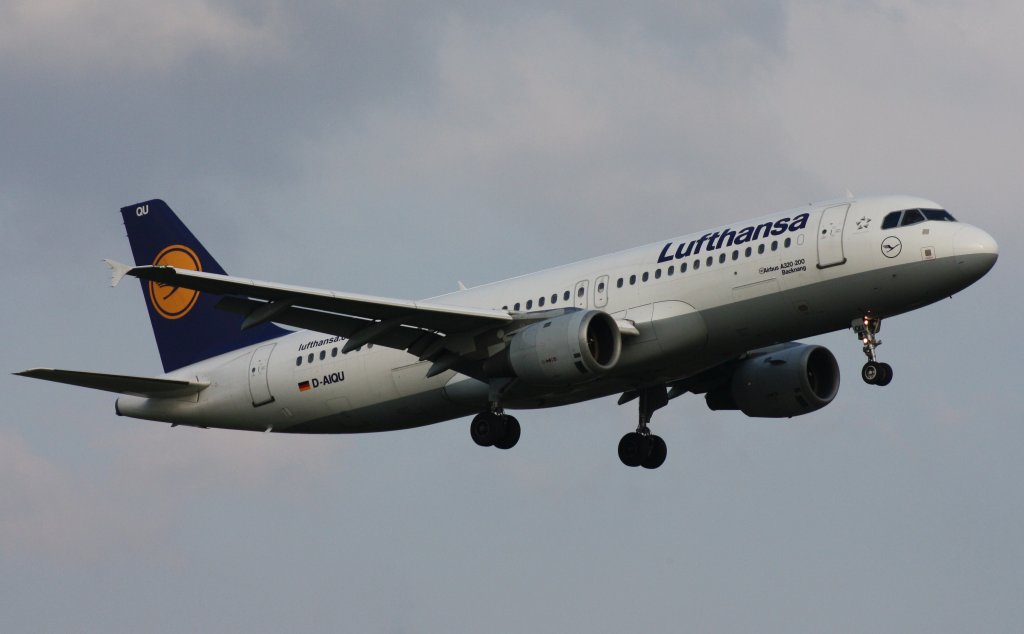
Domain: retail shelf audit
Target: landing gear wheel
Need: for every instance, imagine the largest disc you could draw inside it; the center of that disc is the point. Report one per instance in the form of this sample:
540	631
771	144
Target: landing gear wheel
631	449
885	377
494	429
485	428
511	433
876	373
641	447
871	372
657	454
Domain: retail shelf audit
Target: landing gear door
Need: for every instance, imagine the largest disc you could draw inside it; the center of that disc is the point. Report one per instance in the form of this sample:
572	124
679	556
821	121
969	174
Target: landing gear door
580	293
259	382
830	236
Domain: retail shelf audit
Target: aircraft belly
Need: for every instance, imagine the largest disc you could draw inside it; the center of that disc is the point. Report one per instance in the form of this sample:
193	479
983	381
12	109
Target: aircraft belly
401	413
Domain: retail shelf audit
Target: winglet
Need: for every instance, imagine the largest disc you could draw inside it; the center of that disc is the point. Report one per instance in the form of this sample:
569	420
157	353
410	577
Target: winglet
117	271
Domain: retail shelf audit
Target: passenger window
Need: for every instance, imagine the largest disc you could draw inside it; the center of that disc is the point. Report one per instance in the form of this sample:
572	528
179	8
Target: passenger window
682	267
309	359
775	245
911	217
565	296
788	242
529	304
892	220
298	360
334	352
632	280
696	264
657	274
618	284
554	298
323	355
516	307
747	252
671	269
736	255
760	248
721	259
645	276
540	302
710	260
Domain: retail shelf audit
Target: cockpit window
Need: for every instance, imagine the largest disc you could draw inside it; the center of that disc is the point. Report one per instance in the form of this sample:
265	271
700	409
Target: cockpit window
892	220
909	217
938	214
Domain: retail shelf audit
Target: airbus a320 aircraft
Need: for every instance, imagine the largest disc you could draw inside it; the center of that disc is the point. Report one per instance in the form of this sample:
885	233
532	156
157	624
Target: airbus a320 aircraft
712	313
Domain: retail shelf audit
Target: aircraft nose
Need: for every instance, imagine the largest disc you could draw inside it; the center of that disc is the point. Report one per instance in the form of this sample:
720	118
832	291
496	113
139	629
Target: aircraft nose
973	241
976	251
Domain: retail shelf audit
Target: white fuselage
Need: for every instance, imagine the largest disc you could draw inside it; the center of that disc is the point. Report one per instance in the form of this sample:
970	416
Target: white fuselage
696	301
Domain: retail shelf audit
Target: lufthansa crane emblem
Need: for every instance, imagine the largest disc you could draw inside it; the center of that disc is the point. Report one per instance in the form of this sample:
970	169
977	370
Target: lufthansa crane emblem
891	247
173	302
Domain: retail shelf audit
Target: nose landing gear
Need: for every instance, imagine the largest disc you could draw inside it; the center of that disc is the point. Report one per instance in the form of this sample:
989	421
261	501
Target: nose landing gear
874	372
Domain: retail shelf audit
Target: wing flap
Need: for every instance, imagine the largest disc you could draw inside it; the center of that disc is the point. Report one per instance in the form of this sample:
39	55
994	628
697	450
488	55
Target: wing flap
400	338
144	386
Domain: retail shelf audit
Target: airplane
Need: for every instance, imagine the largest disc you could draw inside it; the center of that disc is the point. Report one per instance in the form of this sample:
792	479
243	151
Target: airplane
715	313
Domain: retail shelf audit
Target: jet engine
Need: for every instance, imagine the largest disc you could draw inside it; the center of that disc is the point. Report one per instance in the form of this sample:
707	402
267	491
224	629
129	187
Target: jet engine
780	382
564	350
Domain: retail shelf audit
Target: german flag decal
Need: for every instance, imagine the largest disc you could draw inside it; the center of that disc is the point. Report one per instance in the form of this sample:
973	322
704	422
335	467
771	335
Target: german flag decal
304	386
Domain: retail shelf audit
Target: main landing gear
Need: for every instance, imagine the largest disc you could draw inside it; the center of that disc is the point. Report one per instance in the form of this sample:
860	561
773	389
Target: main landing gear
495	429
641	448
874	372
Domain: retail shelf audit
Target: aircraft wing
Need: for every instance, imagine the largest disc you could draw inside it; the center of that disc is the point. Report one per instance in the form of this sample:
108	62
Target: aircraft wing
437	317
122	384
450	336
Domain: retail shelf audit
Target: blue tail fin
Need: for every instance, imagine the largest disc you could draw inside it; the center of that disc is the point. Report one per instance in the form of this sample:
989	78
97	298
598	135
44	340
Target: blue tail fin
187	326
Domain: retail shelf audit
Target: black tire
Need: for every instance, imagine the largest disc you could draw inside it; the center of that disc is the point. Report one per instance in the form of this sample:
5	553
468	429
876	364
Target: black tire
657	455
482	429
630	449
885	375
871	372
511	435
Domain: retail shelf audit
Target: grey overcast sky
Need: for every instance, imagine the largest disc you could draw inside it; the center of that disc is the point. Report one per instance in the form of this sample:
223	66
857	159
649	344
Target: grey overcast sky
396	149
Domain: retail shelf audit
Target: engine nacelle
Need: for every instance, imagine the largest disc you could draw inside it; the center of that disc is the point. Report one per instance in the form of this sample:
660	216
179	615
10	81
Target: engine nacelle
571	348
780	382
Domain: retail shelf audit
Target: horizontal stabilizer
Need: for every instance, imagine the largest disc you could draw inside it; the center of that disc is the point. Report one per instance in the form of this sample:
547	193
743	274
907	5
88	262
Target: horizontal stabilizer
144	386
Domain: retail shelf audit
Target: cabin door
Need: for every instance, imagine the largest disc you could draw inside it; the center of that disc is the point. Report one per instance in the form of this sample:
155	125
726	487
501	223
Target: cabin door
830	236
259	382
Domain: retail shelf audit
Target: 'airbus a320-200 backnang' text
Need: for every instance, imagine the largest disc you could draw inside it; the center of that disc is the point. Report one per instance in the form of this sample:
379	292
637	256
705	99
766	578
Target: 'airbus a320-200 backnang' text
713	313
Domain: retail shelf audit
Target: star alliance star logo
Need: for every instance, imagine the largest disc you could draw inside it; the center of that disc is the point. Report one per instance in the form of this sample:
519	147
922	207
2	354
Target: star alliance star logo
863	223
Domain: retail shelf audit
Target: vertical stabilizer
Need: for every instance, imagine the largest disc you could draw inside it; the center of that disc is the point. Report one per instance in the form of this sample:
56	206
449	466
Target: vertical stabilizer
187	326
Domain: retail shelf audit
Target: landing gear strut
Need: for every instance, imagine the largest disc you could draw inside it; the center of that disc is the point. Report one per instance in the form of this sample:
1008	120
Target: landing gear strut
495	428
874	372
641	448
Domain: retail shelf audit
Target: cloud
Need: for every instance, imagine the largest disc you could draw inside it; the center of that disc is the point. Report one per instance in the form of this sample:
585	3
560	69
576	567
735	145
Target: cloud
886	98
547	122
69	36
76	514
